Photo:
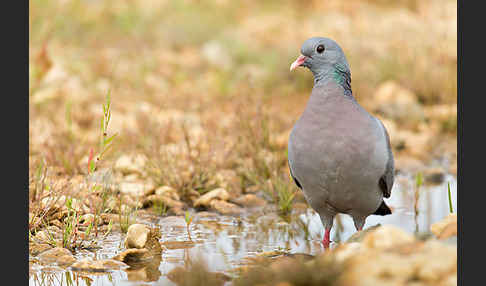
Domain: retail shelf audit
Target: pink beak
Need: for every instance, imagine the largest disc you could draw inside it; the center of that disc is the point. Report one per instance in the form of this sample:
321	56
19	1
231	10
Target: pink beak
299	61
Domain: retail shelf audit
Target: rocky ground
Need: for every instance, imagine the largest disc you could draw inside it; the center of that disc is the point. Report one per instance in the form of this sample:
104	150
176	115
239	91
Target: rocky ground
381	255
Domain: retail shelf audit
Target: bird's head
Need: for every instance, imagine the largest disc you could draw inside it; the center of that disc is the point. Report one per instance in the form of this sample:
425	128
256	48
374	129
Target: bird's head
322	56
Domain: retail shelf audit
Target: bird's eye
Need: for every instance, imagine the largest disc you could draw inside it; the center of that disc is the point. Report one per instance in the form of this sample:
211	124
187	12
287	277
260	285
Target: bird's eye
320	49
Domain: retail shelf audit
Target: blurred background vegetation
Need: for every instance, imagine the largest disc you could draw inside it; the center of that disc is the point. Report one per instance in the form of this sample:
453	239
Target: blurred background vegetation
208	82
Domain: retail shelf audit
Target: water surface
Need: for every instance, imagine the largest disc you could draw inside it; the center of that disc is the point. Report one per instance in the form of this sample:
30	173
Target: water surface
225	241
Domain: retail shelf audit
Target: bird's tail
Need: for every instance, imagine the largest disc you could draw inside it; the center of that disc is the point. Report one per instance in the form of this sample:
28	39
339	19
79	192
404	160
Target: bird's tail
383	209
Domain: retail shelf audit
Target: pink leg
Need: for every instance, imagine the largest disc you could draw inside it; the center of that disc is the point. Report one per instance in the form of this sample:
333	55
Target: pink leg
326	240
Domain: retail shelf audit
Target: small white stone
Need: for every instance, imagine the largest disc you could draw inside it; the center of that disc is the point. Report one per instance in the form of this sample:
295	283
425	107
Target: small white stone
137	236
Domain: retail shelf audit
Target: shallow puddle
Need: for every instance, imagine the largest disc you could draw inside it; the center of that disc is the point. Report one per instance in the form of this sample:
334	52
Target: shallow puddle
224	241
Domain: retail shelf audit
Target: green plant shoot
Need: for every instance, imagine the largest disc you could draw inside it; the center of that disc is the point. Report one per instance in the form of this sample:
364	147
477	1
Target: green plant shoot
451	210
418	180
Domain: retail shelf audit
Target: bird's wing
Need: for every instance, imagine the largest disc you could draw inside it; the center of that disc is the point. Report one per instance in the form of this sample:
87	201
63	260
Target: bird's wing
295	180
386	180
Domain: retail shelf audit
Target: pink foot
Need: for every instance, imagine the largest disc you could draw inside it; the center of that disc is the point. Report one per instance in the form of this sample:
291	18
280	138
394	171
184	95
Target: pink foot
326	240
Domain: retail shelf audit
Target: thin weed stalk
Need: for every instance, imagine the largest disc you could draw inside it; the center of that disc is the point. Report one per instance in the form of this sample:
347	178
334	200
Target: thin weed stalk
43	209
188	218
282	194
451	210
124	216
160	208
70	228
418	184
106	143
40	177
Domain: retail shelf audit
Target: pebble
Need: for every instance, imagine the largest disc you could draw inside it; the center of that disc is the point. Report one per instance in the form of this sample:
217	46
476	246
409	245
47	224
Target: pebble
136	189
141	236
445	228
58	255
104	265
225	208
250	200
205	199
128	164
134	255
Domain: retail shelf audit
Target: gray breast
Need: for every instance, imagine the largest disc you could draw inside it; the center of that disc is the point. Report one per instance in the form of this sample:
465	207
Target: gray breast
337	153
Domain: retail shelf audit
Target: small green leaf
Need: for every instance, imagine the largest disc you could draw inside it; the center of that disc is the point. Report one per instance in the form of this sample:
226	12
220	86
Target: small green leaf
188	218
91	166
419	180
69	203
109	139
96	188
88	229
105	150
